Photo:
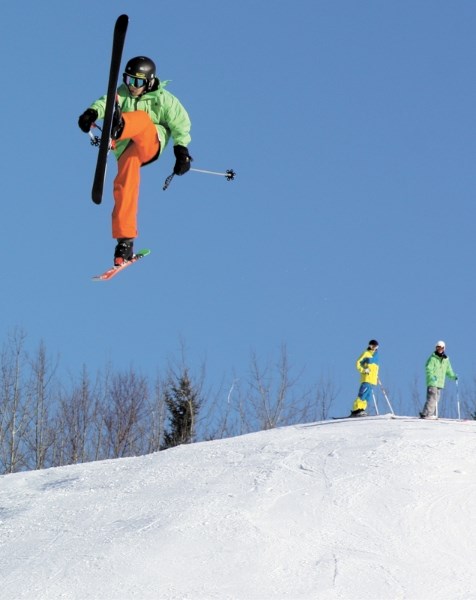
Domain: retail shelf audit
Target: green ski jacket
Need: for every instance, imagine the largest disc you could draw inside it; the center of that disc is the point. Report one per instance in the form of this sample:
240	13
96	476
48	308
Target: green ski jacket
167	113
437	368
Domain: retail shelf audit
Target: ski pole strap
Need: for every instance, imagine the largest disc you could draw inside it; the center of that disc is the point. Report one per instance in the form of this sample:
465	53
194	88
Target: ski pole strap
168	181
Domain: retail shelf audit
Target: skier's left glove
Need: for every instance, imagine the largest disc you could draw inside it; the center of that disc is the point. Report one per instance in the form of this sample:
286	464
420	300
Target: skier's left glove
87	119
182	160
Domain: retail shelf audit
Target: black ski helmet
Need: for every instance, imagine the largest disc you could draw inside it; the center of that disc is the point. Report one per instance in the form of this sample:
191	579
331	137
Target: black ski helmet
141	66
373	343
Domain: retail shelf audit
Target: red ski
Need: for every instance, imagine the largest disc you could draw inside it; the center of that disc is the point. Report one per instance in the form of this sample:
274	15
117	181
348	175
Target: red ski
113	271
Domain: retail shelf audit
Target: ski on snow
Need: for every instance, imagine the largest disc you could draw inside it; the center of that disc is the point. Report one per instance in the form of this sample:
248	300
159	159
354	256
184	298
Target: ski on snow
354	418
436	419
113	271
404	418
119	37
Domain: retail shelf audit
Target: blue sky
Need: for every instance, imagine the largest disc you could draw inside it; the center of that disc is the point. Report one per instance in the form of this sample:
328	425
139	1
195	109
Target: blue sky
351	128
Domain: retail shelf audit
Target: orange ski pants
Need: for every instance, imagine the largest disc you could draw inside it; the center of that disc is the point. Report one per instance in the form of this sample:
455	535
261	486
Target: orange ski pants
143	147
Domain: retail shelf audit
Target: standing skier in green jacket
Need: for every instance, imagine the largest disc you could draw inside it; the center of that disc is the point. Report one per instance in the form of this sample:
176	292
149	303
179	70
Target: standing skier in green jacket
438	367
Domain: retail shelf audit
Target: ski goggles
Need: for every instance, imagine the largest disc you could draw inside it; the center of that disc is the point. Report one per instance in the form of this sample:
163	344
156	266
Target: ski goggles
137	82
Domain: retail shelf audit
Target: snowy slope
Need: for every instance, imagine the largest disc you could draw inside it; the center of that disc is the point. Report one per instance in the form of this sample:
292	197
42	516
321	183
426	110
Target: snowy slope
361	509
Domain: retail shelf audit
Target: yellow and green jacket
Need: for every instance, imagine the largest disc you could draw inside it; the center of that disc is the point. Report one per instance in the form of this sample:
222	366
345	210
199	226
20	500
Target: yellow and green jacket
368	360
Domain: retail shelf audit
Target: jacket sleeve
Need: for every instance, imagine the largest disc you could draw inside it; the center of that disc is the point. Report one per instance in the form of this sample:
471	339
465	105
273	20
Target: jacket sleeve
100	106
358	364
449	371
178	121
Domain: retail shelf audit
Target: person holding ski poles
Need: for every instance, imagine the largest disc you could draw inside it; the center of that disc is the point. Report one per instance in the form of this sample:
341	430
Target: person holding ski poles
437	368
145	118
368	365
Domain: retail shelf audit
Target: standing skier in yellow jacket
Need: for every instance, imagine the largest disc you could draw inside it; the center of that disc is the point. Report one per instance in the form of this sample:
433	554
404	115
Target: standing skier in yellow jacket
367	364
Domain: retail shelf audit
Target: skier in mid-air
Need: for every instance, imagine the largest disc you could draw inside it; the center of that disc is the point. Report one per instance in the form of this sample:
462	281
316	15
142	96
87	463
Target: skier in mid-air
146	116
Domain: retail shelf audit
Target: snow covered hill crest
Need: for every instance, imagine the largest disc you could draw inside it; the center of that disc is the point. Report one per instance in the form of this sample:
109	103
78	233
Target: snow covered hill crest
370	509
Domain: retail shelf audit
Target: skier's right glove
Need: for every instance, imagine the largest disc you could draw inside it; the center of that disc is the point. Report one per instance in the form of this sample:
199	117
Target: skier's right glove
182	160
87	119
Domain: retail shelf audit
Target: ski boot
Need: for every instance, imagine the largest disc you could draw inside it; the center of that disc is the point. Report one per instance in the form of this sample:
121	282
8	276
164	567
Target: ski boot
358	413
124	251
117	126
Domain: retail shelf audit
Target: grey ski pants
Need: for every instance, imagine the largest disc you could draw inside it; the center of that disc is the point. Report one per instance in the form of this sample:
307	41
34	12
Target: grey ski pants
432	398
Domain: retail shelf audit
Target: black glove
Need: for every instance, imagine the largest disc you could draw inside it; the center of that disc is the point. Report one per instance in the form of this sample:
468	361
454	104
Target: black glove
183	160
87	119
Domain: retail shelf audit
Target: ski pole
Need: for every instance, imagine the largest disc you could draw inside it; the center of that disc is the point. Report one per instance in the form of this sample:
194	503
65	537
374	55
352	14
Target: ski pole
457	401
229	175
385	396
375	403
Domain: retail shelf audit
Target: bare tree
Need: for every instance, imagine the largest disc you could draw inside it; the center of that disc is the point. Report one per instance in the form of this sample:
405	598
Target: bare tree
416	404
271	397
40	400
14	416
324	397
219	412
156	418
123	415
76	423
468	401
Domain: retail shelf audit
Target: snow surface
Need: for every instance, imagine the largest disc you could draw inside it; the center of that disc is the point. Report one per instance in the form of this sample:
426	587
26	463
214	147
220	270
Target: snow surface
373	508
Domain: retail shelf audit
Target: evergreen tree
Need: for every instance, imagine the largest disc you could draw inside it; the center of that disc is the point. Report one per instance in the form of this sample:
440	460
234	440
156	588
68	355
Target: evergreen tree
182	400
